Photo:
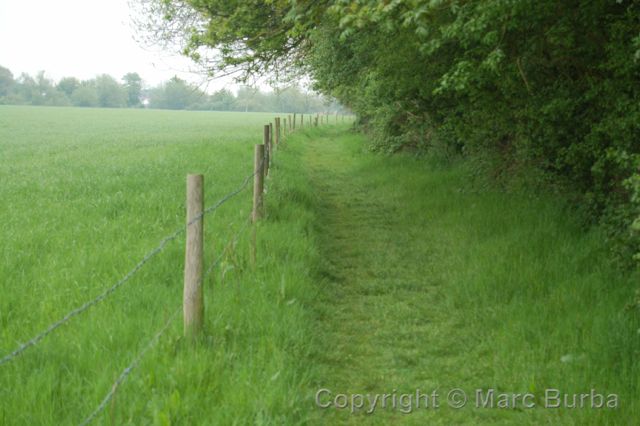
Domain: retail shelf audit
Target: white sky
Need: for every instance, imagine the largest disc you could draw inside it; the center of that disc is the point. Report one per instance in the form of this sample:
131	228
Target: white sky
82	38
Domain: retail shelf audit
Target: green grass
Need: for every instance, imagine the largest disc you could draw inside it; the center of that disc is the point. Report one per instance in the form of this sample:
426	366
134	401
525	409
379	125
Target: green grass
428	285
374	274
86	193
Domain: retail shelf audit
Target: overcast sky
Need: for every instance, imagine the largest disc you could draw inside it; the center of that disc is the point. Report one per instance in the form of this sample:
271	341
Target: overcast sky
81	38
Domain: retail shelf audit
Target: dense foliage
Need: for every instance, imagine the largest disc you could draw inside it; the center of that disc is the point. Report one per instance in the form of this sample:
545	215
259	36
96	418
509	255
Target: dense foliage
540	88
106	92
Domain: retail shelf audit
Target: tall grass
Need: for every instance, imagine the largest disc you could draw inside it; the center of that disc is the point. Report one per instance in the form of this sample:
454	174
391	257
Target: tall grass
86	193
372	272
433	284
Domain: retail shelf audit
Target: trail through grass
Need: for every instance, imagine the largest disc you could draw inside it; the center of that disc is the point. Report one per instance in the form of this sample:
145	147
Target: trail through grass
374	275
427	286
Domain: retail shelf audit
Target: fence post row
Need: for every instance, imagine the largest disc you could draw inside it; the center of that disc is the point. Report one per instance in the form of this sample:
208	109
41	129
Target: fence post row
267	149
193	302
258	181
271	138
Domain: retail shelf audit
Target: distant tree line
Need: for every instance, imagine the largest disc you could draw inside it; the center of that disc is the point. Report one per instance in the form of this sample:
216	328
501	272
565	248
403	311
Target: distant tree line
105	91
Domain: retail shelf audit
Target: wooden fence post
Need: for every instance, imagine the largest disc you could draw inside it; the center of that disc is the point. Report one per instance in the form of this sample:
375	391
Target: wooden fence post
290	122
277	131
294	121
267	148
301	121
258	193
258	181
271	139
193	302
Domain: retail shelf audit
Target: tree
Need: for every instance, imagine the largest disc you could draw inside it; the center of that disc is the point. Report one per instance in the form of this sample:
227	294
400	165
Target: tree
249	99
27	90
222	100
133	87
85	95
6	82
175	94
250	37
68	85
110	93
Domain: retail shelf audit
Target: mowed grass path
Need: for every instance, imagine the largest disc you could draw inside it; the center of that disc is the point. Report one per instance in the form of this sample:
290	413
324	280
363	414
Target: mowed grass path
427	286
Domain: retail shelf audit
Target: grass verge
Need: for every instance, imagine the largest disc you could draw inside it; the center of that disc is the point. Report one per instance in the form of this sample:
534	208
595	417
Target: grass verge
430	286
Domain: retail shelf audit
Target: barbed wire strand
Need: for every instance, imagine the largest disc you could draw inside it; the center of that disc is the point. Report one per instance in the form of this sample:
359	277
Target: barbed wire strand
156	337
229	195
129	369
36	339
77	311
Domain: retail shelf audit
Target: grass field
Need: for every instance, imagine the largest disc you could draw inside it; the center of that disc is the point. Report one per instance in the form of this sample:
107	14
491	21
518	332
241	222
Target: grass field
85	194
375	275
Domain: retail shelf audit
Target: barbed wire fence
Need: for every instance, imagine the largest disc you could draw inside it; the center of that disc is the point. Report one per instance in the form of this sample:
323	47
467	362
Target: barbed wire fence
136	361
260	168
156	338
125	373
150	255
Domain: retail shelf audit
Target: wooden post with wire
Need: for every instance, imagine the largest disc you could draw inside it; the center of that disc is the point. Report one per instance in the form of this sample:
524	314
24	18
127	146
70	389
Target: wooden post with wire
258	181
193	302
267	148
271	139
258	192
277	131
